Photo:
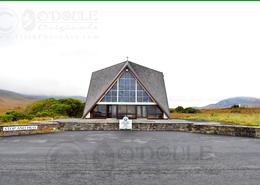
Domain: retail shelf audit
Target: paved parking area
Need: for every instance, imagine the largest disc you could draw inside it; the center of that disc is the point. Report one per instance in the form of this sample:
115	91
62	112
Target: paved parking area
125	157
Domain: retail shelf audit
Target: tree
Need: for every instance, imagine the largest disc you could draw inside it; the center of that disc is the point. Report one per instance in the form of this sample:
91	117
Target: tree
235	106
179	109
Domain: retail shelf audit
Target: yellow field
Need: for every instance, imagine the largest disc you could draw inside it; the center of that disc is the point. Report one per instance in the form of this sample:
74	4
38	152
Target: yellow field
34	120
241	116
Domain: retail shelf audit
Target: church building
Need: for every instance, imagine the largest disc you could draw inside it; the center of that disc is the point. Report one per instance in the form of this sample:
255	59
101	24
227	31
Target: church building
127	89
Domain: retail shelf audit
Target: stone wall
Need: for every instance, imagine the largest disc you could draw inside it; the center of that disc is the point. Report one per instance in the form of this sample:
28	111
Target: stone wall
136	126
113	125
228	130
88	126
42	128
161	125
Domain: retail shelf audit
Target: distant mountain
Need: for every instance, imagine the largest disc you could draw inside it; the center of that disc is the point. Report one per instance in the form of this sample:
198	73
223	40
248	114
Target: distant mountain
13	95
242	101
13	100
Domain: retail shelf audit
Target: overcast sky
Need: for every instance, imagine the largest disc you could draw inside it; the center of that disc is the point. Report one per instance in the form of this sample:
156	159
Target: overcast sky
207	50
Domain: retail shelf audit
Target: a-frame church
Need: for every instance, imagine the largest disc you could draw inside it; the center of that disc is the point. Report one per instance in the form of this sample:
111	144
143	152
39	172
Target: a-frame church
127	89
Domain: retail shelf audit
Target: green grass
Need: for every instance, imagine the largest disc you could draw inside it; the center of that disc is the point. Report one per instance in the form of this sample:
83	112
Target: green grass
247	119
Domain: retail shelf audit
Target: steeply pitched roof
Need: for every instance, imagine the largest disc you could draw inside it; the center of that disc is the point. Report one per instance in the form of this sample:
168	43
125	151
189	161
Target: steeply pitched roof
152	80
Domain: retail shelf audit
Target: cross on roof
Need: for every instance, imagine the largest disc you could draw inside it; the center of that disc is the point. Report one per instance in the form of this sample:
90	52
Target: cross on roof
127	58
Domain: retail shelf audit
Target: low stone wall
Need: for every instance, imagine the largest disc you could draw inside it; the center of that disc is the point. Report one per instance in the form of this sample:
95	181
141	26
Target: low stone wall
228	130
113	125
138	125
42	128
88	126
160	125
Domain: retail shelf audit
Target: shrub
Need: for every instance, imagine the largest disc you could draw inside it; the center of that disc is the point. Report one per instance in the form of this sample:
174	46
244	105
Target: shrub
6	118
179	109
56	107
172	110
45	114
190	110
73	107
235	106
51	107
14	116
40	106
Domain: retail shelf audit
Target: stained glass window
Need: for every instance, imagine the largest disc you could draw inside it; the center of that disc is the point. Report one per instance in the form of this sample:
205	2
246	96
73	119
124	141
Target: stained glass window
129	90
142	96
111	96
126	88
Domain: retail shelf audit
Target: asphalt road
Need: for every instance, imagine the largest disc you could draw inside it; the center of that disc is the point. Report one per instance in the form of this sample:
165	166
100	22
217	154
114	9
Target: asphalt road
129	158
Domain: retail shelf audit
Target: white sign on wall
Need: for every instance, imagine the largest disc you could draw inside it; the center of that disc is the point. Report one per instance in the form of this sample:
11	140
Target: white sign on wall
17	128
125	124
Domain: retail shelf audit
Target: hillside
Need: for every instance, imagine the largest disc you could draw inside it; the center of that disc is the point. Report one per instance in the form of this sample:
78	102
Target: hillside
12	95
13	100
242	101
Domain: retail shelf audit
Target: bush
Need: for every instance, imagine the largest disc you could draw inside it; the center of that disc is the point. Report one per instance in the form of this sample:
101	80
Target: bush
190	110
51	107
56	107
172	110
14	116
179	109
235	106
72	107
40	106
6	118
45	114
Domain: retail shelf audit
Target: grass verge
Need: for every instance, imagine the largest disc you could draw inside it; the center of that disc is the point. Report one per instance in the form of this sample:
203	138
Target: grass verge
246	119
27	121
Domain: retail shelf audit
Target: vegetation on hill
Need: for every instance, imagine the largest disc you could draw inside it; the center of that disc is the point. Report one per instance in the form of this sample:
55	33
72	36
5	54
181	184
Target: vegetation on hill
56	107
233	115
180	109
48	108
10	100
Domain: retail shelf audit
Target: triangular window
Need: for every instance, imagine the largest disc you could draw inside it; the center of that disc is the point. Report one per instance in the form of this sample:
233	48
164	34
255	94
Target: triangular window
127	89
